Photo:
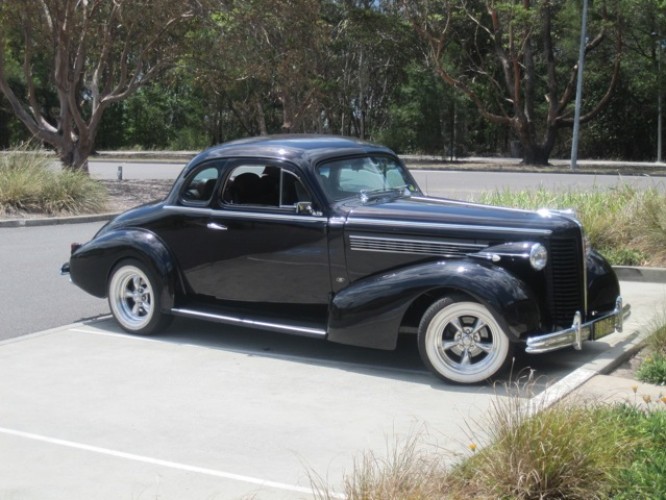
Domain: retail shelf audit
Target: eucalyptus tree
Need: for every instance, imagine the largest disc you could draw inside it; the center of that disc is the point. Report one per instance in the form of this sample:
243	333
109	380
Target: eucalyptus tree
262	60
93	53
369	52
517	60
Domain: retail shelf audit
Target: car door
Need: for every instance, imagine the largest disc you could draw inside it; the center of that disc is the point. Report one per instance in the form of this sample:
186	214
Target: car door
251	244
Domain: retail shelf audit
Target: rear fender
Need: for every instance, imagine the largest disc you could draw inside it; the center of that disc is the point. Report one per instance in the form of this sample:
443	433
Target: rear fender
369	312
92	263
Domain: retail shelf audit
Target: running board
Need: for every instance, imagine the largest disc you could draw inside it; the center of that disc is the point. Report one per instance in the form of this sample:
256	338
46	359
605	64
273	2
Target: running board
256	323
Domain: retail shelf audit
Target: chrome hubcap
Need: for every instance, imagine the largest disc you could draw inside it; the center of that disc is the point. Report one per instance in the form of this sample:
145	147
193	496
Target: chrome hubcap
131	297
464	342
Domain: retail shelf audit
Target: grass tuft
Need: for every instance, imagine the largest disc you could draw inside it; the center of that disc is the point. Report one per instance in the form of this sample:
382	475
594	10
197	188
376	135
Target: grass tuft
566	451
30	184
408	471
653	370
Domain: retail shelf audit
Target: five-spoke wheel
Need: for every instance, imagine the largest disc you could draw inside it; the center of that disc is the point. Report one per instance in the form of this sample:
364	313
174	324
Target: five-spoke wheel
134	298
461	341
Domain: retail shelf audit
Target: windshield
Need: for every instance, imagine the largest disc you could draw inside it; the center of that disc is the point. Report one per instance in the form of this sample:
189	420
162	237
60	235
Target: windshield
364	177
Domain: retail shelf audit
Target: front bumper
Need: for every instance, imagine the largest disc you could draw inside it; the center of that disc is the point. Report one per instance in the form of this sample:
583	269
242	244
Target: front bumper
64	270
579	331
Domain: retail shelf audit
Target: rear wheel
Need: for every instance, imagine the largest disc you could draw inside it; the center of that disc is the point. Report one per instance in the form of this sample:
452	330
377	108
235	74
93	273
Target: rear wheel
461	341
134	299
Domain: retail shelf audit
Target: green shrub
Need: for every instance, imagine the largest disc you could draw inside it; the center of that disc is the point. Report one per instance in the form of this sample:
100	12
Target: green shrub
30	183
653	370
645	475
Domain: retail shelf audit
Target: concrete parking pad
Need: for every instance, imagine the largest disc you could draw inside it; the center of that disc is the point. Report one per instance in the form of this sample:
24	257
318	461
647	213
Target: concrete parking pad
207	411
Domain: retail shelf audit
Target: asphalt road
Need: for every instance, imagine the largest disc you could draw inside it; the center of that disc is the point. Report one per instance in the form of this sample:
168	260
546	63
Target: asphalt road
33	296
469	185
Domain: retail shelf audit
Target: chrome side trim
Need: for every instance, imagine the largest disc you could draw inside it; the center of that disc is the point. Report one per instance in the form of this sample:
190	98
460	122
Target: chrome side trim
442	225
412	246
578	332
299	330
233	214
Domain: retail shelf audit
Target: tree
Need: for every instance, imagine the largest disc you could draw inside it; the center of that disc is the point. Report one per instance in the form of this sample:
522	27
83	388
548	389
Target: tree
516	60
89	54
369	52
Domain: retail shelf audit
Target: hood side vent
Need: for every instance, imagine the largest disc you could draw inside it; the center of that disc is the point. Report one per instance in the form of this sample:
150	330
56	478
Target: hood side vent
414	246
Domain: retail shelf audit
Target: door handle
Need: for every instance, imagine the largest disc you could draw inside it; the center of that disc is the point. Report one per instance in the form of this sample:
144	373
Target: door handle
216	226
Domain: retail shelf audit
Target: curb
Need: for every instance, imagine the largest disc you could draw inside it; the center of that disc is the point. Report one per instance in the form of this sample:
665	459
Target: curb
642	274
603	364
55	221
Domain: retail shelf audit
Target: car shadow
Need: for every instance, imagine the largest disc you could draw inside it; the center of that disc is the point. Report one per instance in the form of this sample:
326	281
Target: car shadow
527	376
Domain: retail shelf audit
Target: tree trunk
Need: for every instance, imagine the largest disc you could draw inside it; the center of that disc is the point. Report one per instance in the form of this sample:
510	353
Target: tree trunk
535	154
74	154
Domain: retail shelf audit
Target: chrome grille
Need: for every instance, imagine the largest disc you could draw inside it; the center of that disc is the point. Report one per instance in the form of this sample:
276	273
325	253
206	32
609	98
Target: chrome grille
413	246
566	277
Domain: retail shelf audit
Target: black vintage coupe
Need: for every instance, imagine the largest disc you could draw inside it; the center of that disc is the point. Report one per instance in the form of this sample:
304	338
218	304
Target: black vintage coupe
331	237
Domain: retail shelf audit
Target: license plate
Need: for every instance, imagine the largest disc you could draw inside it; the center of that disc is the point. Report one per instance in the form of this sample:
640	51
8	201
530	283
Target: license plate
604	327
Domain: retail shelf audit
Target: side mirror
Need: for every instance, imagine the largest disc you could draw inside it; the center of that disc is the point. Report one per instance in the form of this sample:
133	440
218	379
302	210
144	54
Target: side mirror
304	208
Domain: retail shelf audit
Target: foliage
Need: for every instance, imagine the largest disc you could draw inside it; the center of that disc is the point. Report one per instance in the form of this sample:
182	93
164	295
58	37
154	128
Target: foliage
653	370
353	67
29	183
644	476
627	225
657	341
408	471
568	451
157	117
516	61
78	58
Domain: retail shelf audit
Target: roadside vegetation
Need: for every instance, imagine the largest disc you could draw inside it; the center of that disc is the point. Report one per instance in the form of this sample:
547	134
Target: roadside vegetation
30	184
520	451
628	226
569	450
653	367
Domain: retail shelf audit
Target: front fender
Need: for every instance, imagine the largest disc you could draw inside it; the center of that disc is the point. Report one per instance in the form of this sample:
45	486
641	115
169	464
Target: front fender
369	312
603	288
91	264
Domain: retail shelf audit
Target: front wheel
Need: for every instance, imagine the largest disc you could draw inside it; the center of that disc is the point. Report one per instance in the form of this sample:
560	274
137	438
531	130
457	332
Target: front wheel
461	341
134	299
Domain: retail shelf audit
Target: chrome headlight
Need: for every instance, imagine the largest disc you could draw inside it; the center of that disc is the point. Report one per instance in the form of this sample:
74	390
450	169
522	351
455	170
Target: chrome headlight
538	256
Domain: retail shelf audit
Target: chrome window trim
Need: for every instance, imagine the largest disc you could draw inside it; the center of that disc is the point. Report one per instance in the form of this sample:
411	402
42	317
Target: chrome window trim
443	225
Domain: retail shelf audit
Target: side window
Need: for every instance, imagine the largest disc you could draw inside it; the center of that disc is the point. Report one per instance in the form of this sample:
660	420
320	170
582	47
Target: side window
264	185
201	187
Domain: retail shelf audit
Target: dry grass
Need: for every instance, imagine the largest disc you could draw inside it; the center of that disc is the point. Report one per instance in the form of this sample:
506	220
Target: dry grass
29	184
627	225
564	451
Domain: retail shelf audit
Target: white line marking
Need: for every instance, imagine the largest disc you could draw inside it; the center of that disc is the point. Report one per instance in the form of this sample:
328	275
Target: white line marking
163	463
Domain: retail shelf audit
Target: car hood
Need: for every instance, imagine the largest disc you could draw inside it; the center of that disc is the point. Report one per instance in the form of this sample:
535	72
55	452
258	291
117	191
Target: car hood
432	215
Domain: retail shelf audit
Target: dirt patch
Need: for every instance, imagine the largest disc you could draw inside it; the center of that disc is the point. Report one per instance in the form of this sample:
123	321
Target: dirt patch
127	194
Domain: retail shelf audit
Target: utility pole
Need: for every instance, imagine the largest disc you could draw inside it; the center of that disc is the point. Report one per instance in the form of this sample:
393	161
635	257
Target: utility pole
579	87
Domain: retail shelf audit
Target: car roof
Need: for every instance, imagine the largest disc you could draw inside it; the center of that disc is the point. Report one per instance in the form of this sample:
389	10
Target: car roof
302	149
